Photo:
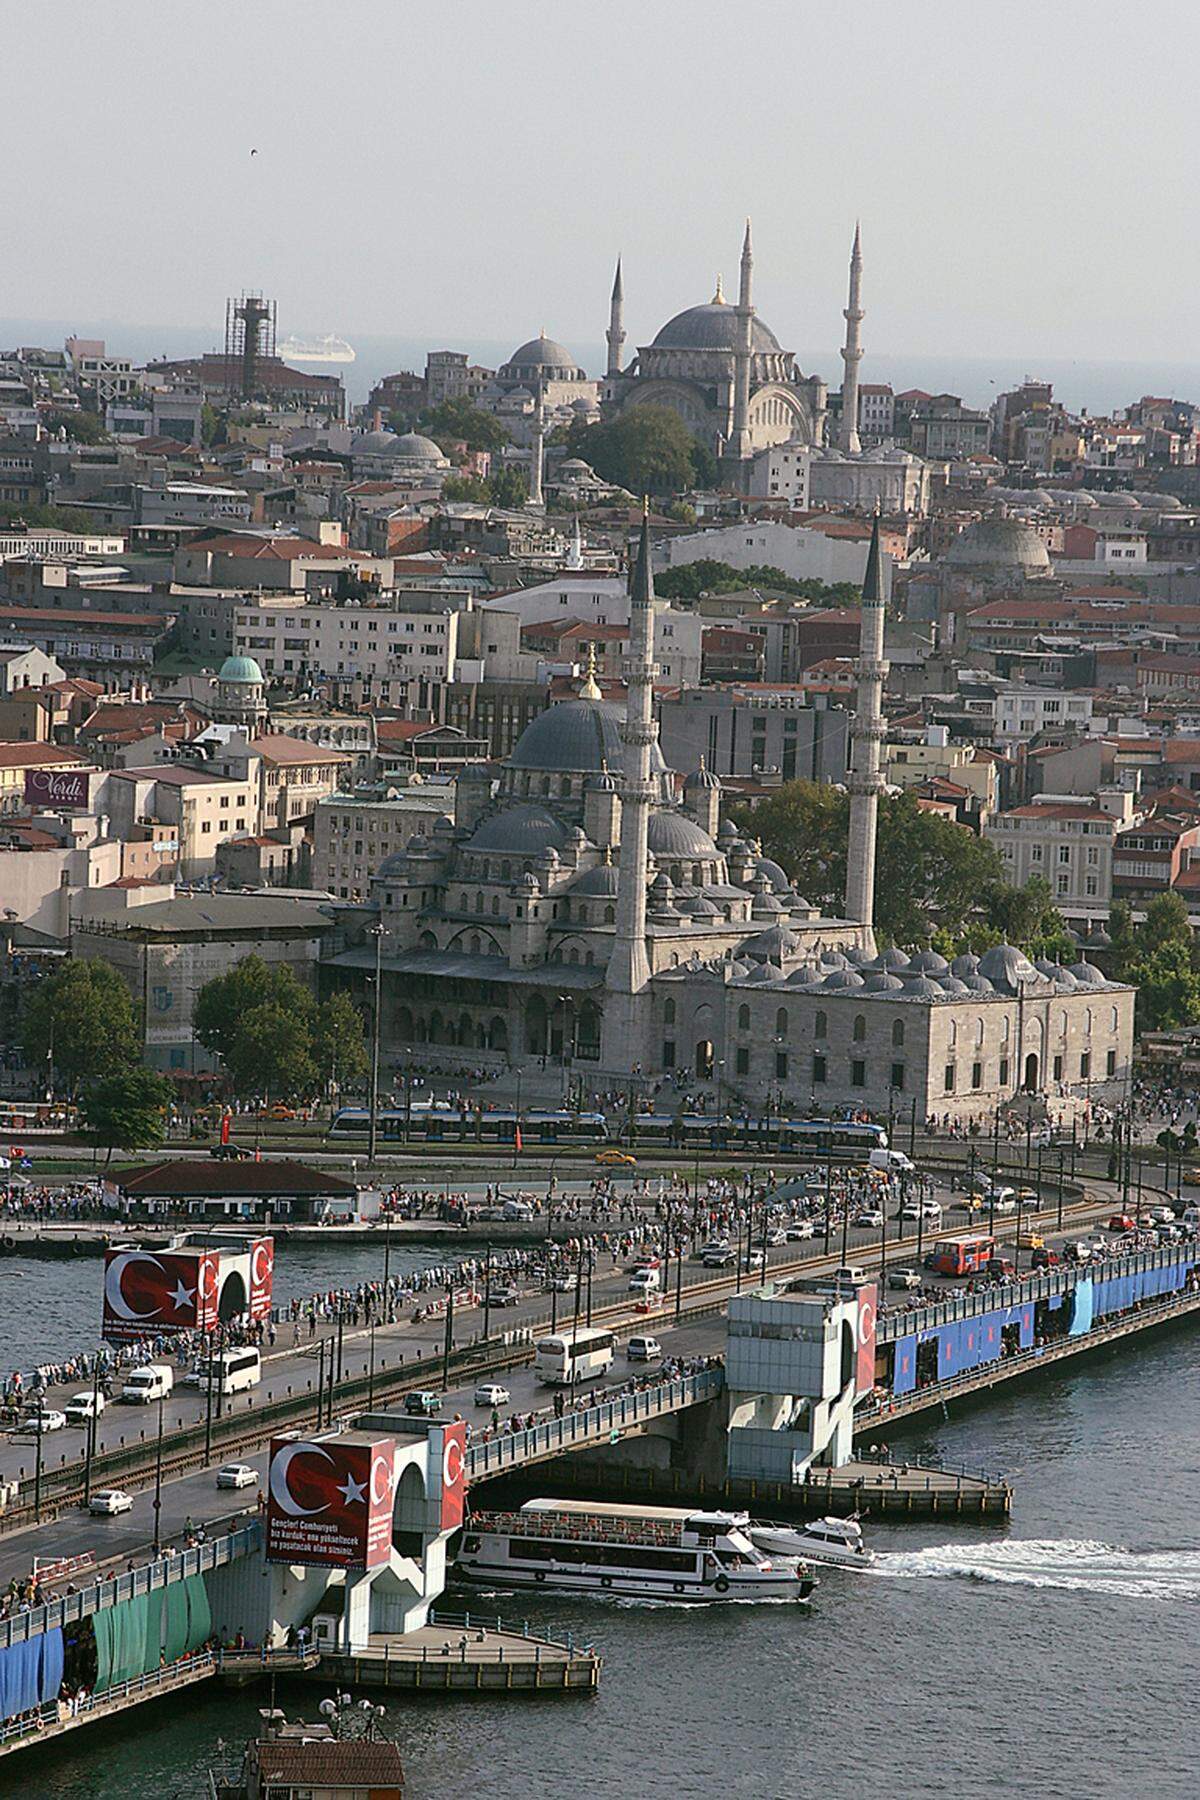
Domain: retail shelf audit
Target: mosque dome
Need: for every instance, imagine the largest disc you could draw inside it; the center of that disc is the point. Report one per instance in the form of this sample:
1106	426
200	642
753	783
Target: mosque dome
892	960
415	448
1087	974
1008	969
576	735
882	983
520	830
807	975
996	543
843	978
542	356
928	962
713	327
391	866
674	834
920	987
965	965
771	945
977	984
600	882
702	778
374	443
240	668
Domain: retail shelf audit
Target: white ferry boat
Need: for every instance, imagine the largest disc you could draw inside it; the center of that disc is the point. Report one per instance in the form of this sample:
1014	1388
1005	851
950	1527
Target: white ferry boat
329	349
646	1552
835	1541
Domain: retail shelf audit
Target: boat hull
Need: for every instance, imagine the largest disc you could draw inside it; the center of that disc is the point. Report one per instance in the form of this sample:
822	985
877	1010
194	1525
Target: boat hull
624	1587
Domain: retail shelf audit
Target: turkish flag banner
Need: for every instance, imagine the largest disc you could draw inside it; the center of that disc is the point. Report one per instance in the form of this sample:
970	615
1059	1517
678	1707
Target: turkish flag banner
262	1264
867	1297
151	1291
225	1123
329	1502
453	1450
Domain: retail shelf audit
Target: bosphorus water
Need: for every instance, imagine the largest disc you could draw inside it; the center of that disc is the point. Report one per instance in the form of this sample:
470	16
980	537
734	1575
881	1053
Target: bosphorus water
1050	1656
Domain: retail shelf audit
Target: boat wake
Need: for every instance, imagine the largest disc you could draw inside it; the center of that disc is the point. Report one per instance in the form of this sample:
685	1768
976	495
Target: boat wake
1078	1565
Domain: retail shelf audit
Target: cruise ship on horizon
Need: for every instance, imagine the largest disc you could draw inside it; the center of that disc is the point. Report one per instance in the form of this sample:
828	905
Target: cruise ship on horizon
329	349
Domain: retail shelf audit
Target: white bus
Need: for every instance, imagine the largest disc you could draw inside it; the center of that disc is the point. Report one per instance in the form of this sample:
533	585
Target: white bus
232	1371
573	1356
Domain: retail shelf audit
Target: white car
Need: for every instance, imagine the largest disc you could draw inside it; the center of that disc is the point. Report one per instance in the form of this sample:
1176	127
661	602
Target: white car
82	1407
237	1475
775	1237
871	1219
109	1501
643	1349
905	1279
1162	1215
40	1420
490	1393
800	1230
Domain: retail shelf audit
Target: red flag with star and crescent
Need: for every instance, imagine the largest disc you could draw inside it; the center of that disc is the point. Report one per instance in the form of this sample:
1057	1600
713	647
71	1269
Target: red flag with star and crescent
329	1501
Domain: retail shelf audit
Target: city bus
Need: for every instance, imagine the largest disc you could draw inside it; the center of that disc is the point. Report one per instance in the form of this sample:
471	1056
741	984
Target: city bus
573	1356
962	1255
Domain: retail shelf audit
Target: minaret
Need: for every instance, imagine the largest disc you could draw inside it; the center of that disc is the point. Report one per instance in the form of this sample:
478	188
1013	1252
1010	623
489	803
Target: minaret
626	1008
537	457
616	324
739	442
866	739
575	553
848	438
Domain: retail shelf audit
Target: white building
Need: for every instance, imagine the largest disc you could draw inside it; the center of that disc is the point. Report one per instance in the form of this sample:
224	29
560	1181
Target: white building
25	666
1022	712
306	640
876	412
1068	842
354	833
780	472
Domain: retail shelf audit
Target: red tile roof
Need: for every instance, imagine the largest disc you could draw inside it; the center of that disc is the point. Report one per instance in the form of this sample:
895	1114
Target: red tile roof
275	746
21	756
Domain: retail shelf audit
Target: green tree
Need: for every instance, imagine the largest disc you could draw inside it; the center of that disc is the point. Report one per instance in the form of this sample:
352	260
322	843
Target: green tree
272	1054
647	450
339	1043
126	1111
930	872
1166	925
82	426
467	487
81	1022
58	518
213	426
1028	917
509	488
1168	988
230	1021
458	422
687	581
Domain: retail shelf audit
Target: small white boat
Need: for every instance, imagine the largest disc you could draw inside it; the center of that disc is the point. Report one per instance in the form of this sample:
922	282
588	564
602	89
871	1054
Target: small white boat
835	1541
637	1552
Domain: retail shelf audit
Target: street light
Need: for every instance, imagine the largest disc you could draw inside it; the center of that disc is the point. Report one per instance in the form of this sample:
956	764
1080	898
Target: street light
158	1480
375	931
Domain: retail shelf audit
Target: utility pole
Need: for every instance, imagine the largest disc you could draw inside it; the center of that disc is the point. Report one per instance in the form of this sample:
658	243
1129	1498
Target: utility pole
487	1295
449	1340
377	933
158	1480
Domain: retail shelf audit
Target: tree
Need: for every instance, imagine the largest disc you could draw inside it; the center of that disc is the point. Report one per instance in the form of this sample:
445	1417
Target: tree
81	1022
687	581
509	488
458	422
126	1111
58	518
1028	917
235	1017
467	487
647	450
339	1044
81	426
930	871
1160	958
213	426
272	1054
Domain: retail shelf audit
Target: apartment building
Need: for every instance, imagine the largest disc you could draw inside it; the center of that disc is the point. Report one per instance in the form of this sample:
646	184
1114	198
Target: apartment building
1067	841
206	808
302	641
354	833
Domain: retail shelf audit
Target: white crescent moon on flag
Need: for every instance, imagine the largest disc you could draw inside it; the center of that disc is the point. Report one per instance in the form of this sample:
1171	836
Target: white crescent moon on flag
281	1492
866	1321
452	1462
260	1270
381	1462
113	1295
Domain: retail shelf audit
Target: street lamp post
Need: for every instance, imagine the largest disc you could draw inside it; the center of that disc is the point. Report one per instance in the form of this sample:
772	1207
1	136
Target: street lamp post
158	1480
376	932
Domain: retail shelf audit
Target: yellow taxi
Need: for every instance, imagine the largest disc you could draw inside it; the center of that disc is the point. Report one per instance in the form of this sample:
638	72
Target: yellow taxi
616	1159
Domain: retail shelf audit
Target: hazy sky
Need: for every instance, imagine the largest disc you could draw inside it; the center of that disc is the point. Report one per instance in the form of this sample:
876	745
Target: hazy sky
1025	173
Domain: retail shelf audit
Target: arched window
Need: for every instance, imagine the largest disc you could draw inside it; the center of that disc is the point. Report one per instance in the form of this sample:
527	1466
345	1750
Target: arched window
546	786
781	1022
978	1032
1113	1020
897	1033
1087	1022
820	1025
860	1028
743	1018
669	1013
564	786
495	906
506	871
574	956
475	944
609	915
581	913
952	1036
479	903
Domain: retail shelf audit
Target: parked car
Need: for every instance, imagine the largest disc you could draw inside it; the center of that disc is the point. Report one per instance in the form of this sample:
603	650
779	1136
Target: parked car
905	1279
81	1407
422	1404
716	1257
109	1501
491	1393
643	1349
237	1475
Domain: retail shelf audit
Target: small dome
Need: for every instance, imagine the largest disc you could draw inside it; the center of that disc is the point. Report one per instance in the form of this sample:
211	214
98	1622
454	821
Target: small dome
893	959
965	965
543	353
603	783
1100	938
920	987
881	983
1009	969
1064	981
702	778
950	984
674	834
701	908
391	866
807	975
859	958
415	448
240	668
977	984
600	882
521	830
833	959
928	962
771	945
773	873
1087	974
765	906
727	831
843	978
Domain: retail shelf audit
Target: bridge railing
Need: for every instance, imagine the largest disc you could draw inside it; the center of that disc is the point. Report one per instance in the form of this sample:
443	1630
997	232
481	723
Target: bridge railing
591	1424
187	1669
98	1596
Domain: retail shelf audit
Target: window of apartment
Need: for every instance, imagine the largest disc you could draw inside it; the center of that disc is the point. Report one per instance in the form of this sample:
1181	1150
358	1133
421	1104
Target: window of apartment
948	1079
976	1074
206	827
1004	1071
858	1073
1064	853
1064	884
1085	1065
1035	853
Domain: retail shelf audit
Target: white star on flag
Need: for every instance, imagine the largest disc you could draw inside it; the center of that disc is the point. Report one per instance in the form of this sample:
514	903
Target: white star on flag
352	1490
181	1299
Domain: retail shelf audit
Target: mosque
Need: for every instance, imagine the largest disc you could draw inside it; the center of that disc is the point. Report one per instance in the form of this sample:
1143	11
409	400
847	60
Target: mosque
592	910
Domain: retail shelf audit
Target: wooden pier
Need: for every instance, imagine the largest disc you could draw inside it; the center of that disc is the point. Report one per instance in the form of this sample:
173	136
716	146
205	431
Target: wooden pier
467	1655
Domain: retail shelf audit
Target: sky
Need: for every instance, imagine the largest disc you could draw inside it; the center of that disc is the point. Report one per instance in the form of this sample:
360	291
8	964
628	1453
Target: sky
463	173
